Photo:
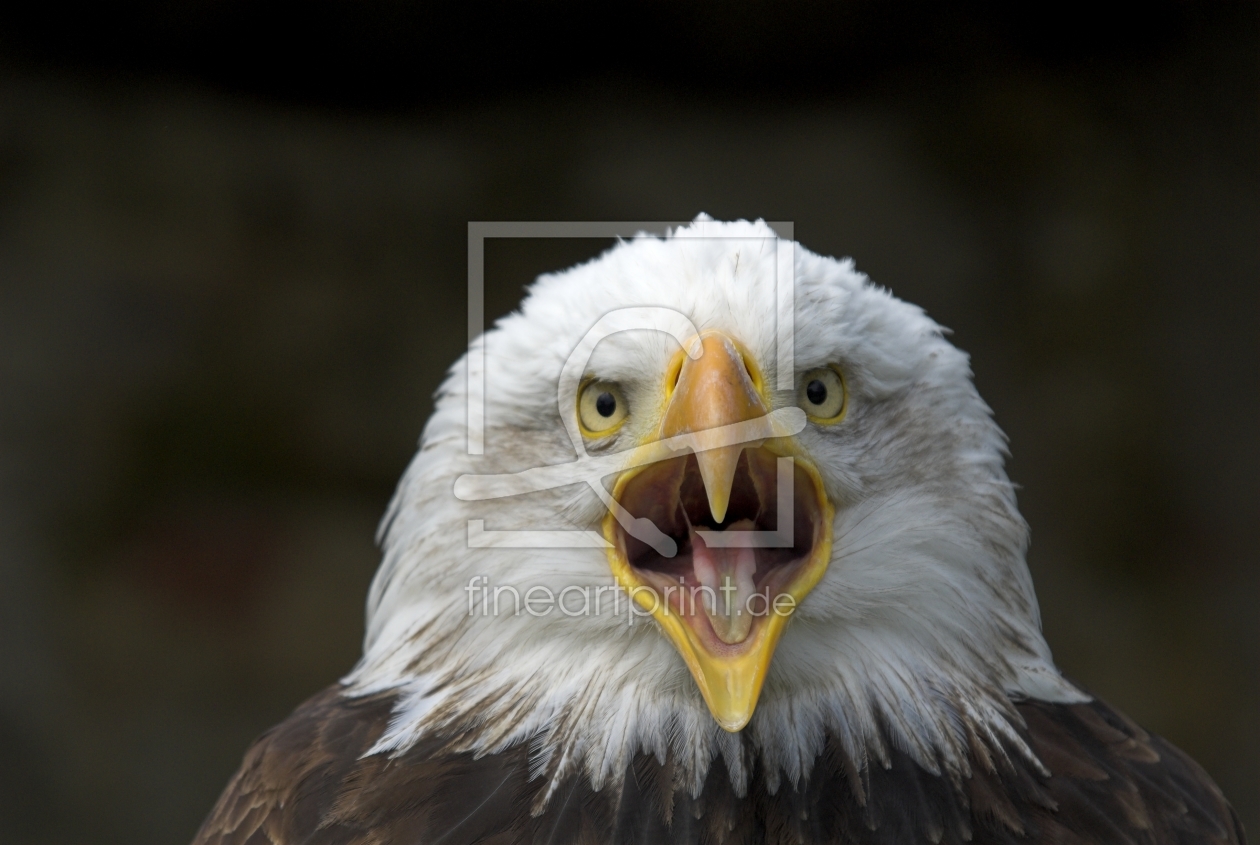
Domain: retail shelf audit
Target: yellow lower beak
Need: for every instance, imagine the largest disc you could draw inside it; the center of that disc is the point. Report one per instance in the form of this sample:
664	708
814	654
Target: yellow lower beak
730	683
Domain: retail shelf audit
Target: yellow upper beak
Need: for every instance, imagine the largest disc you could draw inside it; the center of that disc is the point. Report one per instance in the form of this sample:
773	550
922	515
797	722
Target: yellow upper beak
720	388
714	390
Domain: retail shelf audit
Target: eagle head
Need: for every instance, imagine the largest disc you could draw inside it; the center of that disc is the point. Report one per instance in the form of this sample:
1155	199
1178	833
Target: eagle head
725	504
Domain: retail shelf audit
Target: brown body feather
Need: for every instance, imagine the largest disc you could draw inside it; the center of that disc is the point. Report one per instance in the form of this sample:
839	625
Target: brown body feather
306	781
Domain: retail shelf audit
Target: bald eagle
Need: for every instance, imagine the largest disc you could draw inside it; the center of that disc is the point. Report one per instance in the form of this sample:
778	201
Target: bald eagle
730	568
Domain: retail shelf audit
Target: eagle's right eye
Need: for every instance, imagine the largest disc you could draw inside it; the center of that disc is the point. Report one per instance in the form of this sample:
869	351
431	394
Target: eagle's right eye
601	408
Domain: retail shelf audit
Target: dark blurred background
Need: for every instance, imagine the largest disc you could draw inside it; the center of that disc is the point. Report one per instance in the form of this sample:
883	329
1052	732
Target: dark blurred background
232	269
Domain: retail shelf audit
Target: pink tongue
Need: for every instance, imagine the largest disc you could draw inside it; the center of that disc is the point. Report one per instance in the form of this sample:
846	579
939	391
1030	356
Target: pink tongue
728	573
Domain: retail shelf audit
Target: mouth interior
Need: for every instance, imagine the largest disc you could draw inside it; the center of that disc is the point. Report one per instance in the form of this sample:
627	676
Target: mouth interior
671	493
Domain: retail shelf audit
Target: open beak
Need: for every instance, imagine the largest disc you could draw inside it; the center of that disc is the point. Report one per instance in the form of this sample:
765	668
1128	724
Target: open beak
751	522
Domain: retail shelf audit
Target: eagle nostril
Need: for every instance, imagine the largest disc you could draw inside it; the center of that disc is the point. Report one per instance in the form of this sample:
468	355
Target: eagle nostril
750	369
672	377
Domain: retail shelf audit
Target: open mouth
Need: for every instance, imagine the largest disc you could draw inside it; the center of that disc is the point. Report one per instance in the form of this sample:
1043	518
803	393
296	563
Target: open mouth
724	598
720	543
728	577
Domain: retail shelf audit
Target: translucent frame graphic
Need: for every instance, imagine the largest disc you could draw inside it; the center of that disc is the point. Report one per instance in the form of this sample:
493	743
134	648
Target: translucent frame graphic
591	470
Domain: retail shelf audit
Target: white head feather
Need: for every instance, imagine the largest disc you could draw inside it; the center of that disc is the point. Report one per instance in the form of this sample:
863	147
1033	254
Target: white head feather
922	629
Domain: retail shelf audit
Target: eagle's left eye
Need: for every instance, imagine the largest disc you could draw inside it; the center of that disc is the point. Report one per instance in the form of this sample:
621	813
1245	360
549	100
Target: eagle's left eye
822	395
601	407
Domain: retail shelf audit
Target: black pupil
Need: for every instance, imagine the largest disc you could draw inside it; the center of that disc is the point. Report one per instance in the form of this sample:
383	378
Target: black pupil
606	404
815	392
